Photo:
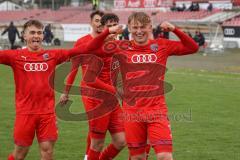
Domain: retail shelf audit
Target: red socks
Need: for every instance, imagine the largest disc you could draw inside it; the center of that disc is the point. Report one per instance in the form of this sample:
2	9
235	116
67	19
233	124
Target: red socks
148	147
10	157
93	155
109	153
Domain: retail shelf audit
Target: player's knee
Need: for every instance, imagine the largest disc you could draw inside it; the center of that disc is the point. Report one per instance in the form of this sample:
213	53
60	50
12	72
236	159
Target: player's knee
47	156
20	153
97	145
118	140
164	156
119	143
138	157
47	153
19	157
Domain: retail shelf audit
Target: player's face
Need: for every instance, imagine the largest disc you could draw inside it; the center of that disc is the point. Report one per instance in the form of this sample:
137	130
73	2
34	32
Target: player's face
33	37
108	25
140	33
96	24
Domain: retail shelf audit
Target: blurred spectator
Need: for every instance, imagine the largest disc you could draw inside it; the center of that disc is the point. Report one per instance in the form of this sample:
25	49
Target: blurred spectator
194	7
156	31
21	36
183	8
174	7
191	7
189	34
57	42
199	38
159	33
12	32
95	4
163	35
48	35
125	33
210	7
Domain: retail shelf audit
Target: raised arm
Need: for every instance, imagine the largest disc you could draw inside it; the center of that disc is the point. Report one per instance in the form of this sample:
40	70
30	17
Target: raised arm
97	42
63	55
96	45
185	46
6	57
93	47
81	49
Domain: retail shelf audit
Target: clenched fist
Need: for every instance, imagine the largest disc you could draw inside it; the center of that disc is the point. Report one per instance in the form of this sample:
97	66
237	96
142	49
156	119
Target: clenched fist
167	27
116	29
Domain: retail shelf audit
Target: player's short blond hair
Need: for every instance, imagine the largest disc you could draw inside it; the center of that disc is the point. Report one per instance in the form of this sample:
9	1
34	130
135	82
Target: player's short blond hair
141	17
32	22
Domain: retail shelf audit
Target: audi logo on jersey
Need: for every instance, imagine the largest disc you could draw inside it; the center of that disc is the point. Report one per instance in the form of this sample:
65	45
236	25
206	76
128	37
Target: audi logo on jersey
144	58
36	67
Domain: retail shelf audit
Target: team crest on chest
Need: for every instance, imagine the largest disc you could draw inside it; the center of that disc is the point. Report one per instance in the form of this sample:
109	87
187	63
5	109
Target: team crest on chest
154	47
45	56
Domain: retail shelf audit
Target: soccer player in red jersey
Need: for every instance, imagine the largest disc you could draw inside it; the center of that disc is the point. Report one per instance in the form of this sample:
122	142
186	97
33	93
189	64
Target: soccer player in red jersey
35	101
111	121
142	66
96	30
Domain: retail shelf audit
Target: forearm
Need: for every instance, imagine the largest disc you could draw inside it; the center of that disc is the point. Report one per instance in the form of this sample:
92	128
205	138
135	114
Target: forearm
81	49
98	84
93	47
4	32
70	80
188	44
98	42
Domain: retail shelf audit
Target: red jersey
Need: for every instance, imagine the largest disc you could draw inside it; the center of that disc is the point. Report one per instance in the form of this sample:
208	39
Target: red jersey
145	60
76	61
34	94
103	77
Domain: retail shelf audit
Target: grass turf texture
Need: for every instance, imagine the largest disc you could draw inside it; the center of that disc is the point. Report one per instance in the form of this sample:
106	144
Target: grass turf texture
204	109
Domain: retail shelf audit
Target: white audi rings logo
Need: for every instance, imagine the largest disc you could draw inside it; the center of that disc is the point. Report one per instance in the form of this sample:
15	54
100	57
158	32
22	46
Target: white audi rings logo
144	58
229	31
35	67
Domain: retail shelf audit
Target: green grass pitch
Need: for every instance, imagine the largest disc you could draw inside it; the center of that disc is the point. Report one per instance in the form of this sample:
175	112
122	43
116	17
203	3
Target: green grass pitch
204	109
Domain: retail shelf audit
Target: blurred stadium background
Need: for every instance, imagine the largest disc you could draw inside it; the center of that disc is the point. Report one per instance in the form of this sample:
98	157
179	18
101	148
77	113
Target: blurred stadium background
204	104
70	18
